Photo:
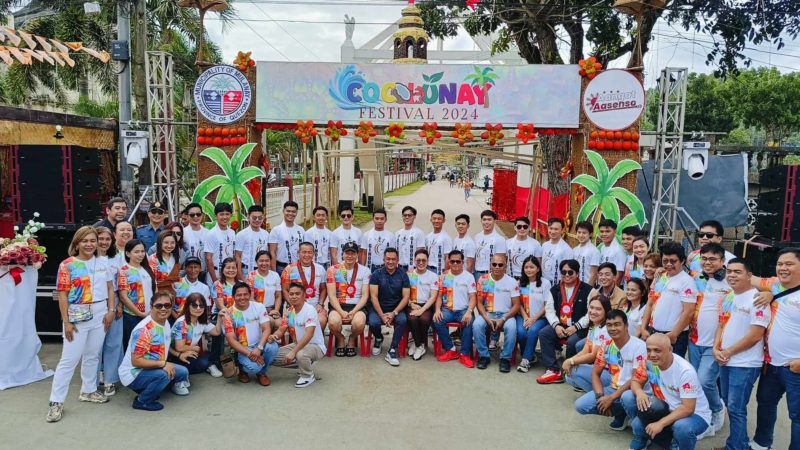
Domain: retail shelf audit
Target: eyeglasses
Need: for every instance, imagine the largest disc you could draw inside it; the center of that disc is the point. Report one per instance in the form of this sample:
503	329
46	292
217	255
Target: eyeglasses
198	305
498	264
421	260
707	235
162	306
195	214
711	259
522	226
408	215
456	261
567	273
346	216
256	219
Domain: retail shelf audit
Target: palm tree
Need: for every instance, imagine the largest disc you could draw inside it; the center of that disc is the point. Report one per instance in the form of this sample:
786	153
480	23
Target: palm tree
605	198
482	78
230	186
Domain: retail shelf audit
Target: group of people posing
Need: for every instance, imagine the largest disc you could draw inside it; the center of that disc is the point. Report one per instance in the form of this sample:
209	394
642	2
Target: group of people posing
624	317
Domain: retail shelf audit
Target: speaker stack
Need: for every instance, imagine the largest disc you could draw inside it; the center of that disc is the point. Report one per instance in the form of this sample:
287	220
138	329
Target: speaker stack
778	215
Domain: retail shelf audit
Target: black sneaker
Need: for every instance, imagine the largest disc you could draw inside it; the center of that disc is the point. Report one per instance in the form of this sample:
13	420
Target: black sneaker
483	362
619	423
505	365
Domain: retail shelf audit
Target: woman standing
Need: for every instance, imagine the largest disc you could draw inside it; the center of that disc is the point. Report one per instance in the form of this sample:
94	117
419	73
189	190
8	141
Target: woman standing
165	263
266	287
636	293
187	335
86	302
533	290
635	265
421	303
136	286
223	299
650	265
578	369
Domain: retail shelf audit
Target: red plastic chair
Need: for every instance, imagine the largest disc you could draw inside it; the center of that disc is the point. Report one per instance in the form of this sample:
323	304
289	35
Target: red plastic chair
364	342
437	344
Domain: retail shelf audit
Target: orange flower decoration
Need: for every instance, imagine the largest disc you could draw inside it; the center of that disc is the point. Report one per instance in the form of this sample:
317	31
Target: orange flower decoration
567	170
463	133
365	131
305	131
430	132
243	61
335	130
589	67
396	131
493	133
525	132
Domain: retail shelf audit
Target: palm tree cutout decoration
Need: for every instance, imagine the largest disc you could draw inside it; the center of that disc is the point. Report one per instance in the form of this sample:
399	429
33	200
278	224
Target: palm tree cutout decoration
605	198
231	185
203	6
483	78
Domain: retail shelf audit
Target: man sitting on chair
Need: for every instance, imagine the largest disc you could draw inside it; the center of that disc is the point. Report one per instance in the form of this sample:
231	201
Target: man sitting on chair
348	295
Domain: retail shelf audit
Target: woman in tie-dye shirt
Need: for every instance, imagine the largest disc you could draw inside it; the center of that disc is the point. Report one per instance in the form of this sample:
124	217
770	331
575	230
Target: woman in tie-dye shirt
422	302
223	299
533	290
265	285
578	369
136	286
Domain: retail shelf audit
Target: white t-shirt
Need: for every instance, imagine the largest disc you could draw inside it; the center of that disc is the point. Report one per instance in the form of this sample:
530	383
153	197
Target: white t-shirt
342	236
307	317
185	287
738	314
148	340
250	242
534	296
615	254
221	244
455	290
635	319
519	251
341	278
466	245
678	381
552	255
246	325
705	320
407	242
190	334
670	293
375	242
421	285
439	245
195	240
785	331
322	238
621	362
588	256
486	246
497	294
288	240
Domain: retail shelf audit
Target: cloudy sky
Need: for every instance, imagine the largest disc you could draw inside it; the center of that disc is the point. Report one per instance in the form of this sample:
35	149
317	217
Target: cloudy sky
276	30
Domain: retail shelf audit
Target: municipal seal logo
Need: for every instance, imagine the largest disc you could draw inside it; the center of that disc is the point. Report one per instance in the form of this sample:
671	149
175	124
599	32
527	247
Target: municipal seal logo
222	94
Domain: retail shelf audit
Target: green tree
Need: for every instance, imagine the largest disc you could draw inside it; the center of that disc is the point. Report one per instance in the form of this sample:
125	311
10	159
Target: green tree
708	104
768	100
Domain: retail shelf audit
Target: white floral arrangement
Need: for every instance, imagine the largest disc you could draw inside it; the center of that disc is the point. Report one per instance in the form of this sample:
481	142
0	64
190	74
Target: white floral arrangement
23	249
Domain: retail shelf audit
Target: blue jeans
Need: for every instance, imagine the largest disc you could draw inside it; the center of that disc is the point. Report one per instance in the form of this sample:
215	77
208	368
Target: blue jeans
196	365
112	352
587	403
776	381
509	329
250	367
152	382
737	384
400	326
129	322
528	338
579	345
217	344
581	377
684	432
550	341
702	359
444	332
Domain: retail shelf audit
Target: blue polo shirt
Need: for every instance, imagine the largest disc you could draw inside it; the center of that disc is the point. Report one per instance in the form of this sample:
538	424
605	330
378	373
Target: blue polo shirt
148	235
390	287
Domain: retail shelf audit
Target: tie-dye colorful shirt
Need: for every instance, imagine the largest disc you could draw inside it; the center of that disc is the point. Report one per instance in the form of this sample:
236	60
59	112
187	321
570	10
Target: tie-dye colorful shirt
84	281
736	315
246	325
422	285
674	383
292	273
532	297
496	295
667	298
620	362
138	284
264	287
149	340
223	291
161	269
340	277
455	290
710	293
188	333
783	333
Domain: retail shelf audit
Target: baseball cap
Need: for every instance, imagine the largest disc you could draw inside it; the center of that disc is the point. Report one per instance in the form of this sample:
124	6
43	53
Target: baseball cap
350	247
192	260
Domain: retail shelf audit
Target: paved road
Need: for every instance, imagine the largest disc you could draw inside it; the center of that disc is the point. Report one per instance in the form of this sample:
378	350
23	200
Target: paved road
359	403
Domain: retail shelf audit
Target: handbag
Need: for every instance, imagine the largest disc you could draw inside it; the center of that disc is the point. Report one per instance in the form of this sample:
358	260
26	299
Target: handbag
78	312
229	368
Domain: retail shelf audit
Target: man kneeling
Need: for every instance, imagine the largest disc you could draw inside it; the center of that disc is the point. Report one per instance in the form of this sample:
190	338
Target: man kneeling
309	343
247	328
616	361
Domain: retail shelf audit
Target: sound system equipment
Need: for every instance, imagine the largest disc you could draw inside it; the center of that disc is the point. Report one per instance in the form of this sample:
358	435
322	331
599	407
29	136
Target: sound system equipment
86	189
773	177
778	210
761	254
56	240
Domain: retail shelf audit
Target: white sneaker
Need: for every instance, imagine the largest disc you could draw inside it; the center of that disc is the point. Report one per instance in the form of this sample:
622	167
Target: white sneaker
376	347
55	412
418	353
213	371
710	432
93	397
523	366
180	388
755	446
412	348
718	419
109	389
305	381
391	357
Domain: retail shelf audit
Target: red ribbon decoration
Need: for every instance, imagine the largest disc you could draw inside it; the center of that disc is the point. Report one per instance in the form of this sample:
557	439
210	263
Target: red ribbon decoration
16	274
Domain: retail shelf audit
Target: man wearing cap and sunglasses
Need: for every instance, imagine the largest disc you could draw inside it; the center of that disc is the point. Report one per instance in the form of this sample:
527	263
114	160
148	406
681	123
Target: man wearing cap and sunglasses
149	233
709	232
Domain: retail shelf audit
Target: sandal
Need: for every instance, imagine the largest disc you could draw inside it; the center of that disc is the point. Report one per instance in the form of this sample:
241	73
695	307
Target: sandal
351	351
340	352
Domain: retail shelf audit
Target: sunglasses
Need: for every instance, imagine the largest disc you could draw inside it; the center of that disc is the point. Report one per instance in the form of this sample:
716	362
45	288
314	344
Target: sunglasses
195	214
498	264
256	219
567	273
456	261
162	306
522	227
408	215
707	235
346	216
197	305
157	211
420	260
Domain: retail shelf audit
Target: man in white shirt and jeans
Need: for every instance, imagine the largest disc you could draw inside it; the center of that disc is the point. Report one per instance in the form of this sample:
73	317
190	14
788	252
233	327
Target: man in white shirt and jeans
587	255
220	241
455	303
321	237
464	243
498	303
194	236
375	241
285	239
408	239
521	246
555	250
439	243
610	250
487	244
250	241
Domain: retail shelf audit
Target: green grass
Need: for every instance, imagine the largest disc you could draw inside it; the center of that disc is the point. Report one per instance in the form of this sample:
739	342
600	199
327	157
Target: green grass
405	190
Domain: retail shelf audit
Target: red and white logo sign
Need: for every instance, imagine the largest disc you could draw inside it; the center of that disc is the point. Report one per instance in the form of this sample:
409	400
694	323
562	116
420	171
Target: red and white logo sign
614	100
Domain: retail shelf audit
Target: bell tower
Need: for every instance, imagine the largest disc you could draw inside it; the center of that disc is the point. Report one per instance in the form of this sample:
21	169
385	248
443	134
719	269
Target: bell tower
411	40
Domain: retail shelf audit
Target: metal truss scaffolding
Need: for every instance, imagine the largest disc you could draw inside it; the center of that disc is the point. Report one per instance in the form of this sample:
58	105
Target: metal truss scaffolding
669	153
160	95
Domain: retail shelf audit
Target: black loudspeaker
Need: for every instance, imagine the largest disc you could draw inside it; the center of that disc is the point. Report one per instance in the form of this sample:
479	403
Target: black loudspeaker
774	177
769	221
56	240
41	183
761	254
86	189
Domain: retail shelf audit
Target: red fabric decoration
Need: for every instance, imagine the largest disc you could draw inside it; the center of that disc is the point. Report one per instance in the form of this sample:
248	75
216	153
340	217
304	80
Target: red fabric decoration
504	197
